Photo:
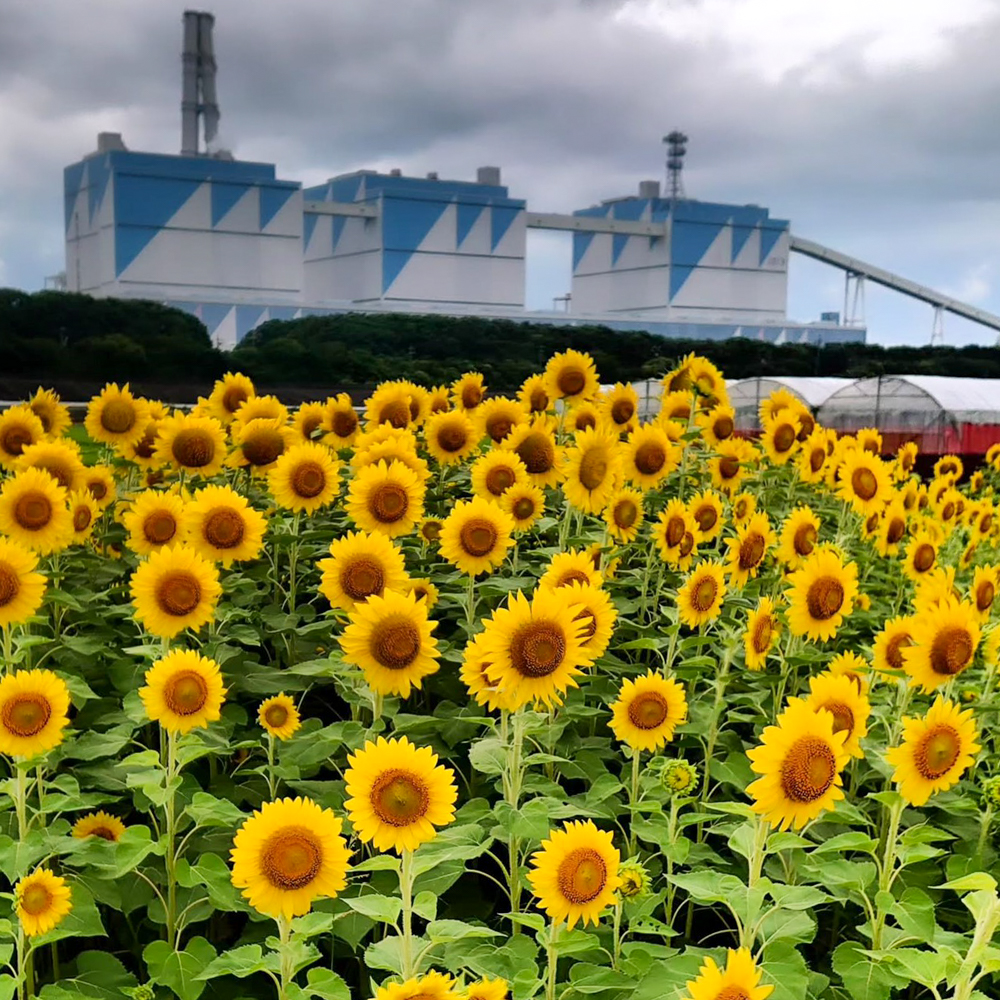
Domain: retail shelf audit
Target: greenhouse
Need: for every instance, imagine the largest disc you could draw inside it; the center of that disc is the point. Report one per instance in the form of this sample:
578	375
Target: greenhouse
746	395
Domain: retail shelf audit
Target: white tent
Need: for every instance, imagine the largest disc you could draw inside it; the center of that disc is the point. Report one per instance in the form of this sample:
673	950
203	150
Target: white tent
746	394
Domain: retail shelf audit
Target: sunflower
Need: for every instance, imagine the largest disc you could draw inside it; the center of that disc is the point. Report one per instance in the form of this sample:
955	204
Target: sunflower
525	503
153	520
468	391
799	760
597	610
717	425
41	901
582	415
220	525
99	824
943	644
935	588
497	417
572	566
228	394
397	794
729	465
935	751
743	506
761	633
708	382
389	638
19	428
846	702
60	459
395	450
430	530
536	650
647	711
33	512
496	472
258	408
865	482
307	421
920	555
451	437
624	515
948	467
591	470
906	459
619	407
423	589
891	528
475	676
173	589
143	451
259	444
891	643
33	707
821	595
279	716
476	535
183	691
196	445
780	436
983	592
388	498
812	458
361	565
649	456
535	395
287	854
305	478
83	514
571	375
748	550
340	422
535	445
438	399
21	587
487	989
575	874
432	986
676	407
740	980
115	416
699	600
798	537
53	413
706	510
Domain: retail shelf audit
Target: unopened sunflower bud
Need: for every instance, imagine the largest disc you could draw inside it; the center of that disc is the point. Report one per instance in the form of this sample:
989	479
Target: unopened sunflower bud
679	777
139	992
635	880
991	792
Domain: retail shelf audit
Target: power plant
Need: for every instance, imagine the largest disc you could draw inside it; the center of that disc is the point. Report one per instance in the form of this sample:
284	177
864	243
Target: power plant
231	242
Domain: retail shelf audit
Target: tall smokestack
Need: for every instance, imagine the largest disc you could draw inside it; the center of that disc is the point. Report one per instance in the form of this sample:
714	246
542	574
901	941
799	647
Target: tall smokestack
198	97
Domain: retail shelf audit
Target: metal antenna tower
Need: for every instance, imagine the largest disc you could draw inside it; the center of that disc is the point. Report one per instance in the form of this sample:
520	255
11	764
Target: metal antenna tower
676	143
198	97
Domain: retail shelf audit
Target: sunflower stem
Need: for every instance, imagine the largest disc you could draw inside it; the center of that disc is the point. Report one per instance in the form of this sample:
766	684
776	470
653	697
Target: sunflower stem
887	869
470	604
984	830
513	788
287	962
21	799
407	969
170	833
272	782
293	559
671	839
617	936
757	854
552	960
8	648
22	967
633	800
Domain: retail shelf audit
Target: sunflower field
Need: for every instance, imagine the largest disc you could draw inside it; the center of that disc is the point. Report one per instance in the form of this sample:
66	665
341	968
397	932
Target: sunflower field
469	697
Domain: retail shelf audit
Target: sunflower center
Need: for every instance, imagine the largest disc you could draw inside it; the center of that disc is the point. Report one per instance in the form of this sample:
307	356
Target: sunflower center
687	544
571	381
937	751
808	425
752	550
398	797
625	513
118	416
276	716
650	457
223	528
395	413
388	502
923	558
472	396
572	576
10	584
104	832
452	438
784	438
985	523
292	857
593	468
81	518
309	424
740	510
763	632
524	508
33	510
345	422
732	992
723	427
816	459
582	875
894	531
843	716
703	595
233	397
478	537
984	595
308	480
706	517
894	650
61	472
538	401
395	643
361	578
147	444
263	447
622	411
648	710
178	593
15	438
193	448
864	483
948	511
729	466
185	692
675	531
537	452
499	479
583	420
26	715
590	628
537	650
951	651
35	899
499	426
808	769
804	540
825	598
431	530
159	527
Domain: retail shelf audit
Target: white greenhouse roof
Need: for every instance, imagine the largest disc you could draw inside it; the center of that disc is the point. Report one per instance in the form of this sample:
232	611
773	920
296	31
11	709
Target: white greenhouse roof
812	391
963	400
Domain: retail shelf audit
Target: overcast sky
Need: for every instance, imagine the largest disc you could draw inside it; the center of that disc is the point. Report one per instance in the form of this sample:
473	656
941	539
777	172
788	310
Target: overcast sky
873	125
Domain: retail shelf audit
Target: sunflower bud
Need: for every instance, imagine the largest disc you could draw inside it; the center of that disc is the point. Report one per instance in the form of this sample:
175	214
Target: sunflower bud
679	777
635	880
991	791
139	992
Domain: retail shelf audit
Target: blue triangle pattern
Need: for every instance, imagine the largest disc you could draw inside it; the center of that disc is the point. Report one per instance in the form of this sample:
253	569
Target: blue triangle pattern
247	317
155	213
768	238
213	314
500	221
581	243
282	312
393	261
272	201
404	227
679	273
691	240
72	182
224	197
98	172
740	236
309	221
618	243
338	227
630	211
468	215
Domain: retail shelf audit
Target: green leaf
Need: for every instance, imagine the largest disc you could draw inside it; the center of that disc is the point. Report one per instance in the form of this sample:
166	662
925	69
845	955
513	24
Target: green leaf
925	967
587	978
797	897
853	841
488	756
242	962
179	970
444	931
968	883
321	984
385	909
863	977
208	811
